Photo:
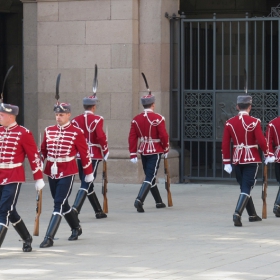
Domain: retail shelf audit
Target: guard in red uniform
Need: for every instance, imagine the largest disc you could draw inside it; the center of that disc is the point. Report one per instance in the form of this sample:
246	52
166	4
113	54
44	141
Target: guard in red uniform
246	134
16	142
149	128
272	135
92	125
60	146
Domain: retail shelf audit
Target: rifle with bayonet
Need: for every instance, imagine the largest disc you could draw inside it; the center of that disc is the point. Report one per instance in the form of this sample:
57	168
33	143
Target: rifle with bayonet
38	212
167	183
38	201
264	192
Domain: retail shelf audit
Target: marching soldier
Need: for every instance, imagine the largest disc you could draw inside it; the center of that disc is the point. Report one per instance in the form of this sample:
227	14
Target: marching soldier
149	127
245	132
92	125
60	146
272	135
16	142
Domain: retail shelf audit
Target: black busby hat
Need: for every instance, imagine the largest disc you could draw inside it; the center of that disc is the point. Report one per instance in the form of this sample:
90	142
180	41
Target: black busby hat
244	99
60	107
8	108
147	99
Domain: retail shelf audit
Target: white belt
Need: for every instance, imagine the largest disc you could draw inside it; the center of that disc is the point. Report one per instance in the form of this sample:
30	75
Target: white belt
150	140
245	146
10	165
65	159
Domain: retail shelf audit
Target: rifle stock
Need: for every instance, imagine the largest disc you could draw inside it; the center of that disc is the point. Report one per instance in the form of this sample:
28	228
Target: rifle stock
104	187
38	213
264	192
167	183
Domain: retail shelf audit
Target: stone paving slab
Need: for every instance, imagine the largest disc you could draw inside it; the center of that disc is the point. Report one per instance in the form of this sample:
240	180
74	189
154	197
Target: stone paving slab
194	239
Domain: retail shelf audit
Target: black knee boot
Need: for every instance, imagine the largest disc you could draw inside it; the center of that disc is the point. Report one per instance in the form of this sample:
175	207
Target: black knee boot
144	190
276	208
24	234
241	204
155	192
72	220
79	200
253	217
99	214
51	231
3	231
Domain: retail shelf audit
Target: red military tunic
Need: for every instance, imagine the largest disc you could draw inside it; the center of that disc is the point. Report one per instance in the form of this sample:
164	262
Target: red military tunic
16	142
246	134
60	146
272	136
150	128
92	125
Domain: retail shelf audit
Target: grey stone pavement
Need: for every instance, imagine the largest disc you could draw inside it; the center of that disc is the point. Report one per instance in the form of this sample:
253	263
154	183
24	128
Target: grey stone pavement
194	239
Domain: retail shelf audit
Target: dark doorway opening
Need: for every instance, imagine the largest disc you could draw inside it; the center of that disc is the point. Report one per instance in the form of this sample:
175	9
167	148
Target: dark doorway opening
11	53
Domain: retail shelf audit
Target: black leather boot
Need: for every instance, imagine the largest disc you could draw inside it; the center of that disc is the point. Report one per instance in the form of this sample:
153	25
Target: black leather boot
144	190
276	208
155	192
79	201
99	214
24	234
51	231
72	220
3	231
253	217
241	204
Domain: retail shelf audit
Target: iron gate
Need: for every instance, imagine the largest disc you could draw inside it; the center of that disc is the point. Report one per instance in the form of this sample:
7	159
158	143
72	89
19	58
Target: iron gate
210	61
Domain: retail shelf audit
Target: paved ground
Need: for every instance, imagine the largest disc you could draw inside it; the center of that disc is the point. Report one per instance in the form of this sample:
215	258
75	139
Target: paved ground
195	239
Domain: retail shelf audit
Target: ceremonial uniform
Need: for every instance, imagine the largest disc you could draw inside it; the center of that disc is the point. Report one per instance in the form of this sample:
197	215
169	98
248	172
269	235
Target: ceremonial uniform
246	135
16	142
92	125
149	128
59	148
273	135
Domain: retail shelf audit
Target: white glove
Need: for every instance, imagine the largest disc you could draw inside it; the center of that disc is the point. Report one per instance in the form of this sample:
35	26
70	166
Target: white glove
89	178
134	160
106	156
39	184
228	168
165	155
269	159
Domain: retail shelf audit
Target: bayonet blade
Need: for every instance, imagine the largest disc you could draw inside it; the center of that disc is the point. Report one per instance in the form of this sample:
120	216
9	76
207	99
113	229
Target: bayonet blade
57	87
245	82
147	86
95	81
7	74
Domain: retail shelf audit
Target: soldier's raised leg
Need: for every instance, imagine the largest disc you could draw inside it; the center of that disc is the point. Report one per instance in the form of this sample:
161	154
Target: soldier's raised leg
99	214
240	206
143	192
253	217
73	221
156	195
3	232
23	232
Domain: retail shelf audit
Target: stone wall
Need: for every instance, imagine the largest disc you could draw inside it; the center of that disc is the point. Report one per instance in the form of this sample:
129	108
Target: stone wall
124	38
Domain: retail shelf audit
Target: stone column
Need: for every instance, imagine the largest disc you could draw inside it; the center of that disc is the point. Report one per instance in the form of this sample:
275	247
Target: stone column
30	70
155	61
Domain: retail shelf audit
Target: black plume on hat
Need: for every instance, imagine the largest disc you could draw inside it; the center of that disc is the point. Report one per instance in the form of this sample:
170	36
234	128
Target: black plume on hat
60	107
7	108
92	100
147	99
